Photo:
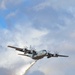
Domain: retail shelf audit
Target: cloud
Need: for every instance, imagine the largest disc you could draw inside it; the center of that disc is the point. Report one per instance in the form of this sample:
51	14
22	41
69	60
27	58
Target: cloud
17	37
55	4
46	25
45	14
4	71
5	4
72	34
11	15
2	5
36	72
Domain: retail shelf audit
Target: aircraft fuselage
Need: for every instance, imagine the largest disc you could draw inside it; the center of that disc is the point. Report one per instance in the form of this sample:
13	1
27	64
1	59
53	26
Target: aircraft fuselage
40	55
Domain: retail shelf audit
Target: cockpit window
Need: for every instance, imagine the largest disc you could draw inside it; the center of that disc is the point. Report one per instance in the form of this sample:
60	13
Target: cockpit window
44	50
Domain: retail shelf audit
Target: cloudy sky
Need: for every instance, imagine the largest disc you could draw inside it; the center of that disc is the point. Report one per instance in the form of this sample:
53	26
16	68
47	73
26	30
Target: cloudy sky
44	24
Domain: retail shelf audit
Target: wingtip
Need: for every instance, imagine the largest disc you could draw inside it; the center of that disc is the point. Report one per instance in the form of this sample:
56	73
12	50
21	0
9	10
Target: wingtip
67	56
8	46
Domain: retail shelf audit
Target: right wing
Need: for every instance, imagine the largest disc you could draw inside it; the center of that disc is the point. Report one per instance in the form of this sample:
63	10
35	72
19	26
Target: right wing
16	48
57	55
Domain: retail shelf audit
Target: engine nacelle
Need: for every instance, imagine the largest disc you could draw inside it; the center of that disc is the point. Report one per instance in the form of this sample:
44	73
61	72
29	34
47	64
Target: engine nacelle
25	50
49	55
56	55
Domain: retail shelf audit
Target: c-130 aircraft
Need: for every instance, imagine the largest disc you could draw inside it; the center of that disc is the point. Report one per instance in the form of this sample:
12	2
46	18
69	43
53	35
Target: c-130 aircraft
36	55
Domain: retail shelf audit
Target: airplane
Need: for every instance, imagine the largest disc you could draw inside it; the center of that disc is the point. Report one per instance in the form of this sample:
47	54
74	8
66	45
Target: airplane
36	55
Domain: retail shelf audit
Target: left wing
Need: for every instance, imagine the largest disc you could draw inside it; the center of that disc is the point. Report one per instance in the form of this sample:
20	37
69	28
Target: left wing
55	55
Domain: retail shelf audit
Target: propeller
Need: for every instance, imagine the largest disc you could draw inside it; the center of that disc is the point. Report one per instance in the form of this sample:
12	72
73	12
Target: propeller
49	55
56	54
25	49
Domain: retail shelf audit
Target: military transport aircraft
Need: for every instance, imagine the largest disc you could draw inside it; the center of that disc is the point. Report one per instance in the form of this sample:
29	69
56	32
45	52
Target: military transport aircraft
36	55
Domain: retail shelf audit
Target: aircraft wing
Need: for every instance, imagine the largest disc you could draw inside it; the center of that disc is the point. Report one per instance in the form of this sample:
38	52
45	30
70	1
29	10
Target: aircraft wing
23	50
62	56
55	55
16	48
